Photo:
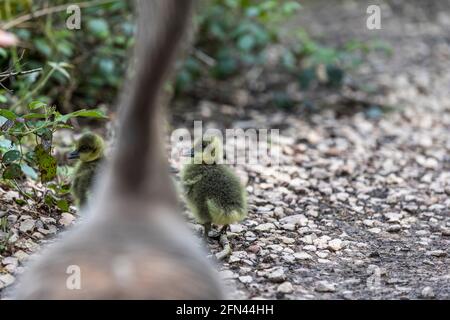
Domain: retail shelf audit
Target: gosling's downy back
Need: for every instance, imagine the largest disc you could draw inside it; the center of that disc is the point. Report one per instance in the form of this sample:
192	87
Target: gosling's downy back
133	244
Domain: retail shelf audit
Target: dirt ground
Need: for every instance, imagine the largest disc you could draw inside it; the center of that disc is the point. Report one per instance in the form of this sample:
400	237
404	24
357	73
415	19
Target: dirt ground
359	207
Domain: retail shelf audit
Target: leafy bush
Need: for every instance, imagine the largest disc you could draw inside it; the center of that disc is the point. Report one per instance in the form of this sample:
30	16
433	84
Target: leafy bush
26	144
234	33
94	56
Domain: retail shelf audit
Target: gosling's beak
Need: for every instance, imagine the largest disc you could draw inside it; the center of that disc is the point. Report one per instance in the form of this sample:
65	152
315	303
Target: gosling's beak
73	155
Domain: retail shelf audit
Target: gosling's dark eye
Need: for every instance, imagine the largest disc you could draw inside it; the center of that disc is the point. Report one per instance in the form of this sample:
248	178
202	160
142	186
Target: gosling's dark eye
84	149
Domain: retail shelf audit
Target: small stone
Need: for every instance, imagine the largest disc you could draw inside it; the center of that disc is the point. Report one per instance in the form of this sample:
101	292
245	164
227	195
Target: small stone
66	219
428	293
325	286
288	226
265	227
326	190
27	244
26	225
422	233
287	240
375	230
347	294
227	274
368	222
299	185
288	258
11	268
308	239
394	228
279	212
21	255
7	279
10	260
38	235
285	287
342	196
323	260
296	219
335	244
277	275
237	256
322	254
322	242
275	247
429	163
245	279
51	230
236	228
393	216
437	253
310	248
254	248
48	220
13	238
12	218
313	213
302	256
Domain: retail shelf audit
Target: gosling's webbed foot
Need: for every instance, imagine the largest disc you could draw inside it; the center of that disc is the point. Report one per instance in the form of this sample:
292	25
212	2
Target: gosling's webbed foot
225	243
213	234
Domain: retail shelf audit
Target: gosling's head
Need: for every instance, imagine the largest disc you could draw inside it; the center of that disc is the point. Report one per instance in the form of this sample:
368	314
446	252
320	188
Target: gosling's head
207	151
88	148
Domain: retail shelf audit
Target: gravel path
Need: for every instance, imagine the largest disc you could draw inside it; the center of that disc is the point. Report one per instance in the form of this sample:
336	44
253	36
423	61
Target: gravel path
360	206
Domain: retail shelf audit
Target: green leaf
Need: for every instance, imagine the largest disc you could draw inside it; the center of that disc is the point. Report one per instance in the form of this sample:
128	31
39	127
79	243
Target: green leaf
335	75
12	171
8	114
42	46
49	200
306	77
99	28
20	201
291	7
36	105
253	12
47	164
106	66
3	53
63	205
94	113
29	171
11	156
34	116
247	42
3	99
6	143
60	67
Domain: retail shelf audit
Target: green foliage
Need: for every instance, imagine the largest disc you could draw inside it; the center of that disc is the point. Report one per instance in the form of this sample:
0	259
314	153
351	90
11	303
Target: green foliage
234	33
20	132
91	61
235	36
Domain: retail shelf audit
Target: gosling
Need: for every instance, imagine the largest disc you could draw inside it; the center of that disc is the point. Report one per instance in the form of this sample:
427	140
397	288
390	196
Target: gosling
213	192
90	152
